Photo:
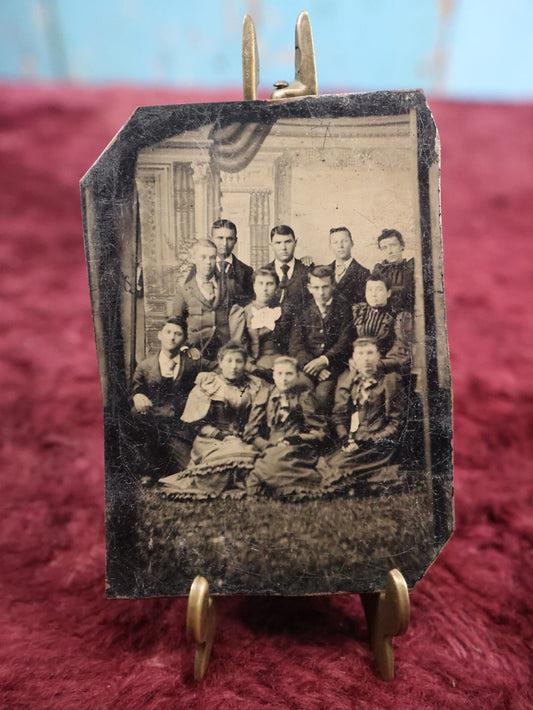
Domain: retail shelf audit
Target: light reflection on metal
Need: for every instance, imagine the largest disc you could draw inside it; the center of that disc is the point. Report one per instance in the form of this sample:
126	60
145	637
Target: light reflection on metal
304	83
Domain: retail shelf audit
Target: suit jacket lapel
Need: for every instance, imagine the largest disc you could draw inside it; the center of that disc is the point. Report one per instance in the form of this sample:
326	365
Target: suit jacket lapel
195	290
218	294
346	271
349	271
299	269
315	309
181	367
236	269
153	369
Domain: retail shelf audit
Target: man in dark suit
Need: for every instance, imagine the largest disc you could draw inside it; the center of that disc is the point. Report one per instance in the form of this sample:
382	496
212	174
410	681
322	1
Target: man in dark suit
292	274
161	442
322	335
202	303
234	275
350	276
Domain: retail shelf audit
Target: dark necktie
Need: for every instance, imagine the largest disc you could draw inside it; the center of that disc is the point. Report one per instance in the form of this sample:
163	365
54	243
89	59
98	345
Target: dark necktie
284	409
222	267
284	279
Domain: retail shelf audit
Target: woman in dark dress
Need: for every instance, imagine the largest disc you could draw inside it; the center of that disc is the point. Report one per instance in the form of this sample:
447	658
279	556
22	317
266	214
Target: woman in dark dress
399	272
285	428
369	417
218	408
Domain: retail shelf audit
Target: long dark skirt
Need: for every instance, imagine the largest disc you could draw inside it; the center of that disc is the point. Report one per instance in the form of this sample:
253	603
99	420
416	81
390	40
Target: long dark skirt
286	470
217	468
357	470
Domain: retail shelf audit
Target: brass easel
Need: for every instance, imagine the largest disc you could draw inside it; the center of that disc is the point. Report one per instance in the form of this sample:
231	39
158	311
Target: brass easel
387	612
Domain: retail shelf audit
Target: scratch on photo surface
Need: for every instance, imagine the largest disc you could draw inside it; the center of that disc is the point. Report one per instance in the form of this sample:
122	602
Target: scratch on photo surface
326	134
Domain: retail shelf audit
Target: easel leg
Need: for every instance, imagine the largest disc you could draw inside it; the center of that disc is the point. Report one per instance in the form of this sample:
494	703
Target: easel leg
200	624
387	615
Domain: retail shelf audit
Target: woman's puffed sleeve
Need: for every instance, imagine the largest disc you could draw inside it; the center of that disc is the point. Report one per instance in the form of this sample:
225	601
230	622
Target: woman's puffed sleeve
340	415
256	431
314	424
199	399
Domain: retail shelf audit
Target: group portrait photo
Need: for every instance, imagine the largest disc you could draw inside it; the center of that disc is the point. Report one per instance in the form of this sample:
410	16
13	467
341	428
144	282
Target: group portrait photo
284	352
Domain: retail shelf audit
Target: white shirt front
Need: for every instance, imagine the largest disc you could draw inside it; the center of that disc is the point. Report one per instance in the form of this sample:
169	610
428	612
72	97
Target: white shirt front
279	264
169	366
340	269
204	291
228	260
324	309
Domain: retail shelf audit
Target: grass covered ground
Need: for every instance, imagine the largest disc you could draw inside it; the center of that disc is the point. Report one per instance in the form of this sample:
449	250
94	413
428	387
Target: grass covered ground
258	545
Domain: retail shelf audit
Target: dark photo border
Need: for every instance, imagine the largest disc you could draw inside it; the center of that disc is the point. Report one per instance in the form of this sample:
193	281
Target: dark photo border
111	227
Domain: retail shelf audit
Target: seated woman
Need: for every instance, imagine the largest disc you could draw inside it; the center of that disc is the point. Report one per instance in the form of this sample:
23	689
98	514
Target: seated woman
218	409
399	272
261	325
284	426
369	417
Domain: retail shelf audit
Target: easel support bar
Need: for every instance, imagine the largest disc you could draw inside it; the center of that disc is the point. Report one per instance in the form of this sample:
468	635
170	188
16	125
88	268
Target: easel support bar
387	615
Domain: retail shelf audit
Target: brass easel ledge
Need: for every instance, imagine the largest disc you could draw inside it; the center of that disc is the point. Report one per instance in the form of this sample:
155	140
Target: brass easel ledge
387	615
304	83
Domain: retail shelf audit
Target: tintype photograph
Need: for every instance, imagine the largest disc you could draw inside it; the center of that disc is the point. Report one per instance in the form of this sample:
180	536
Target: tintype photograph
267	290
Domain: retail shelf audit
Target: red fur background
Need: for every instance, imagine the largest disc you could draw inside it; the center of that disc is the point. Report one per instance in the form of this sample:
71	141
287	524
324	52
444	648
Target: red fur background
64	646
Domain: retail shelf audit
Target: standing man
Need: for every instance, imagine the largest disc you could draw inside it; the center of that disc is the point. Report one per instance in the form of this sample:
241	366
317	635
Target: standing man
201	303
292	272
235	276
350	276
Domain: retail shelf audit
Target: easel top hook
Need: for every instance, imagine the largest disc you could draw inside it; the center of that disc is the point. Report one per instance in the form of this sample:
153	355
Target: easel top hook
304	84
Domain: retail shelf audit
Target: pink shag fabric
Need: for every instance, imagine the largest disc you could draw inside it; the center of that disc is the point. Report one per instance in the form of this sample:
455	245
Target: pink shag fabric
64	646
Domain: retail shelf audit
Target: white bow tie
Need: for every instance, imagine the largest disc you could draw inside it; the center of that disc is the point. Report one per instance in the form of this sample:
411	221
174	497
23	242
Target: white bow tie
265	317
